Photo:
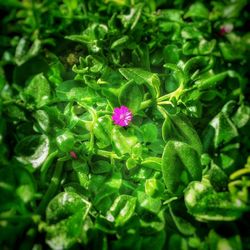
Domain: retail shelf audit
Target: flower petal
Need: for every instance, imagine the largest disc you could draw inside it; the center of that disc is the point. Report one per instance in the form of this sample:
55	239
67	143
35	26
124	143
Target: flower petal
122	116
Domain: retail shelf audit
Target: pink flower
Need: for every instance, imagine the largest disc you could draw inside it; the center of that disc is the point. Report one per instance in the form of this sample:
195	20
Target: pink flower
226	28
122	116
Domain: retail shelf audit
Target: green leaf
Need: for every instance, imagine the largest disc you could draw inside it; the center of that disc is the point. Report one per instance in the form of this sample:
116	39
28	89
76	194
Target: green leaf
171	54
182	225
230	52
140	174
65	217
131	163
25	185
17	185
73	90
65	141
122	141
211	81
82	171
152	162
101	167
174	15
197	10
179	128
177	241
175	79
148	203
121	210
242	116
33	149
90	36
139	76
152	223
190	47
154	187
51	117
233	9
206	47
38	90
23	53
42	119
131	96
197	65
16	113
218	178
220	131
48	119
55	71
220	242
102	131
120	42
191	32
150	132
180	165
131	20
207	205
104	190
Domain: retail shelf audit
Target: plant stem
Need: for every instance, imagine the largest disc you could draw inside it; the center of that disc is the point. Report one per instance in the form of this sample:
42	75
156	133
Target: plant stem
162	111
146	104
169	96
55	181
165	103
107	154
239	172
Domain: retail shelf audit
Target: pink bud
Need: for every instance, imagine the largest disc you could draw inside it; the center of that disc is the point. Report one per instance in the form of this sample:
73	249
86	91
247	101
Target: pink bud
73	155
226	28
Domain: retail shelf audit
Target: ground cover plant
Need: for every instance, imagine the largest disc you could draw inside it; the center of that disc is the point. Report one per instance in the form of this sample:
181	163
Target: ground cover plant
124	124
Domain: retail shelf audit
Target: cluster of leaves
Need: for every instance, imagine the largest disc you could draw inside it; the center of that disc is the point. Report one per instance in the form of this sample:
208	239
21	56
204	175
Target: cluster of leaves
177	177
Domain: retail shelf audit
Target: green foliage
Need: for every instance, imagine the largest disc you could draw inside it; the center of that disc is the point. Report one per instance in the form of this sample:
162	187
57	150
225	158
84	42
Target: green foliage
180	165
65	216
177	177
